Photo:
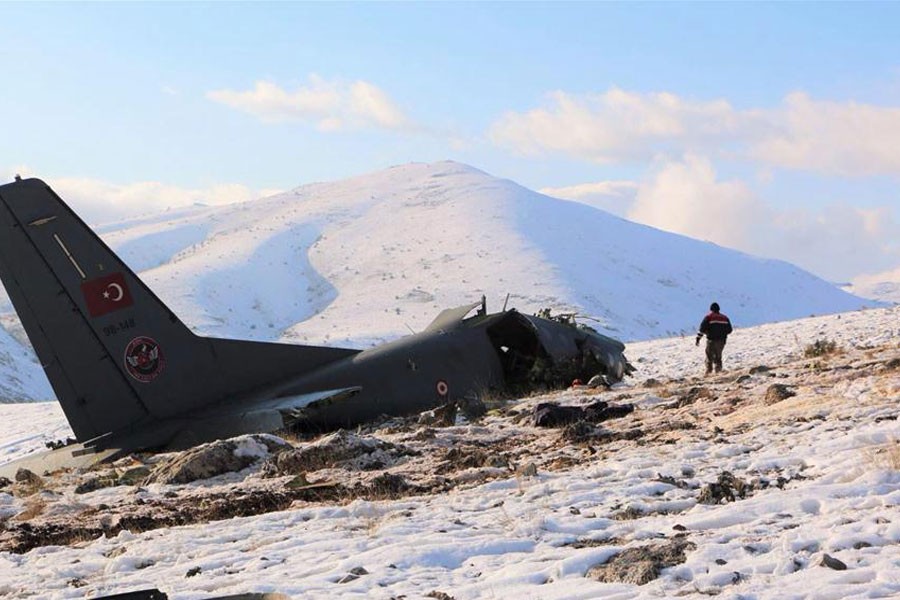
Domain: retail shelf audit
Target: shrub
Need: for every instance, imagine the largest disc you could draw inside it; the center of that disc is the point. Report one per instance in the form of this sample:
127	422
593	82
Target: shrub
820	347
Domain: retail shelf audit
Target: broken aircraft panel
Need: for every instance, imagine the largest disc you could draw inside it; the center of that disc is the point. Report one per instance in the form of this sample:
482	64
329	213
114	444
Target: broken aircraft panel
130	375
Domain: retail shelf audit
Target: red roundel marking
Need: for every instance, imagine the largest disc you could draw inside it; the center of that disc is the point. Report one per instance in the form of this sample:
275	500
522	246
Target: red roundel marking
144	359
442	387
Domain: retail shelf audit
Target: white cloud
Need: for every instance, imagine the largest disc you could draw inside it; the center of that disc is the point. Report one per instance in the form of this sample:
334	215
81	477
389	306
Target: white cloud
839	138
98	201
836	242
685	197
843	138
613	196
331	105
619	125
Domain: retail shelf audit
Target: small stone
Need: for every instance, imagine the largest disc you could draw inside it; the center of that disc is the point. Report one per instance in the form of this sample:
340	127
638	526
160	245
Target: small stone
193	571
721	561
778	392
679	527
832	563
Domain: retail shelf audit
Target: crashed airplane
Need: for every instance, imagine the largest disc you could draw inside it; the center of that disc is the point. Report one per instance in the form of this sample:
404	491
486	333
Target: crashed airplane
131	376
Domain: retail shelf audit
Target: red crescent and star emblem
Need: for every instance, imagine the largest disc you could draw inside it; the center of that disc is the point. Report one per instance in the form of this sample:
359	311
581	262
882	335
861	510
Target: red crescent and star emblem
106	294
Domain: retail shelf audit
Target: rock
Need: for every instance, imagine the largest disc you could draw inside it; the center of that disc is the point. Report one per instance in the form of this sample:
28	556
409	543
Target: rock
29	478
832	563
641	565
437	595
759	369
134	476
728	488
4	483
579	431
778	392
340	447
92	484
355	573
193	571
469	457
651	383
215	458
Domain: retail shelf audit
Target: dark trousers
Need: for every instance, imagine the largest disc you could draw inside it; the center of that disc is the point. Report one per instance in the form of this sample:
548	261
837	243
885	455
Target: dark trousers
714	354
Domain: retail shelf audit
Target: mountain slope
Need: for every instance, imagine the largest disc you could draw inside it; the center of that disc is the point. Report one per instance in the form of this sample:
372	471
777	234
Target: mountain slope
367	259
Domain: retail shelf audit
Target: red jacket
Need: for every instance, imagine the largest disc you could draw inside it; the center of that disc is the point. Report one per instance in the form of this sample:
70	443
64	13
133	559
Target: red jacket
716	326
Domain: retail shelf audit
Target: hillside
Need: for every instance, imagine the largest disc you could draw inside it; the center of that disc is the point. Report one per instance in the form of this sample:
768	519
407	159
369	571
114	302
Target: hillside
778	478
368	259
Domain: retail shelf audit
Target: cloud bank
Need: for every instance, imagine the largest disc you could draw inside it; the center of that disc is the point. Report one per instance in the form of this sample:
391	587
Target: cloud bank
330	105
839	138
98	201
686	196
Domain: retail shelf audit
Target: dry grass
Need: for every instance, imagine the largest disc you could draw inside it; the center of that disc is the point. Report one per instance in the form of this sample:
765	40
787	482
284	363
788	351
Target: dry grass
34	507
886	456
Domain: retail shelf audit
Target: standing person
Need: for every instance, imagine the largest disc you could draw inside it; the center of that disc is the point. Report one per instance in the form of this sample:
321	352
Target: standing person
716	327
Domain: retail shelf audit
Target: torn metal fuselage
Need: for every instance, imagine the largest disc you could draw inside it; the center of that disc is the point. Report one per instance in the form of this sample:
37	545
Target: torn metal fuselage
461	356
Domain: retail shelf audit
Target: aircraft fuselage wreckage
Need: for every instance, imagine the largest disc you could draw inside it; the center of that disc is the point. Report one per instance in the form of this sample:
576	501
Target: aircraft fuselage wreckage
131	376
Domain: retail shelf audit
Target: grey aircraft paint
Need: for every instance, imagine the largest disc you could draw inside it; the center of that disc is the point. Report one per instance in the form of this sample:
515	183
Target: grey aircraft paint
130	375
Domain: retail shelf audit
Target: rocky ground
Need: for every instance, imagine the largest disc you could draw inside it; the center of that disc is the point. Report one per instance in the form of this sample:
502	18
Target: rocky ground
710	485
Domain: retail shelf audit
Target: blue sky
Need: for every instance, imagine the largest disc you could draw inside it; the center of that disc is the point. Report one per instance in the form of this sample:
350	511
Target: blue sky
768	127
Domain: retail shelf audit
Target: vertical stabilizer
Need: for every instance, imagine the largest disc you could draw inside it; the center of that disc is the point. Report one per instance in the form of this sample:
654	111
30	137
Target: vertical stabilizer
116	356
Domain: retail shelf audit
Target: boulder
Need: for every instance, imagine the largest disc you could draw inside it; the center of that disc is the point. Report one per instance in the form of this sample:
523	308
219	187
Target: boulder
338	448
216	458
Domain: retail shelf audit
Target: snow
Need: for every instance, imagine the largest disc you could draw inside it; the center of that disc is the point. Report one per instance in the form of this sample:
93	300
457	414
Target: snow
512	537
365	260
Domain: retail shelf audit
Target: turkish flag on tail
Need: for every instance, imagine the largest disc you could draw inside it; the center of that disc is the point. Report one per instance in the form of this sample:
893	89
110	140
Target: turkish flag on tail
106	294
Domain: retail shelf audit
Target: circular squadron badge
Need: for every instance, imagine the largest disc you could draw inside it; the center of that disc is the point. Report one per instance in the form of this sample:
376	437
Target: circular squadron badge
143	359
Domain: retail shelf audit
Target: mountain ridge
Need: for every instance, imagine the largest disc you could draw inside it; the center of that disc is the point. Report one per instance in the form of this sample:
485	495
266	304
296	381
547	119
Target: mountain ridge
367	259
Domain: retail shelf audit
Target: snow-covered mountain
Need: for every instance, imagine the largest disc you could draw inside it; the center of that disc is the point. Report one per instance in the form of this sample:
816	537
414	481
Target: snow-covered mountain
370	258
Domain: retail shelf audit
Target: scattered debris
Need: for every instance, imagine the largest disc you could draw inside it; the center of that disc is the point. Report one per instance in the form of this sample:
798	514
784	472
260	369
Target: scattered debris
551	414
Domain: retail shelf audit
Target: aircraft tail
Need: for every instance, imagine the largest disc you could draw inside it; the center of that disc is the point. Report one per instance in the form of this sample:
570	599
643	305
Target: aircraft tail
115	355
